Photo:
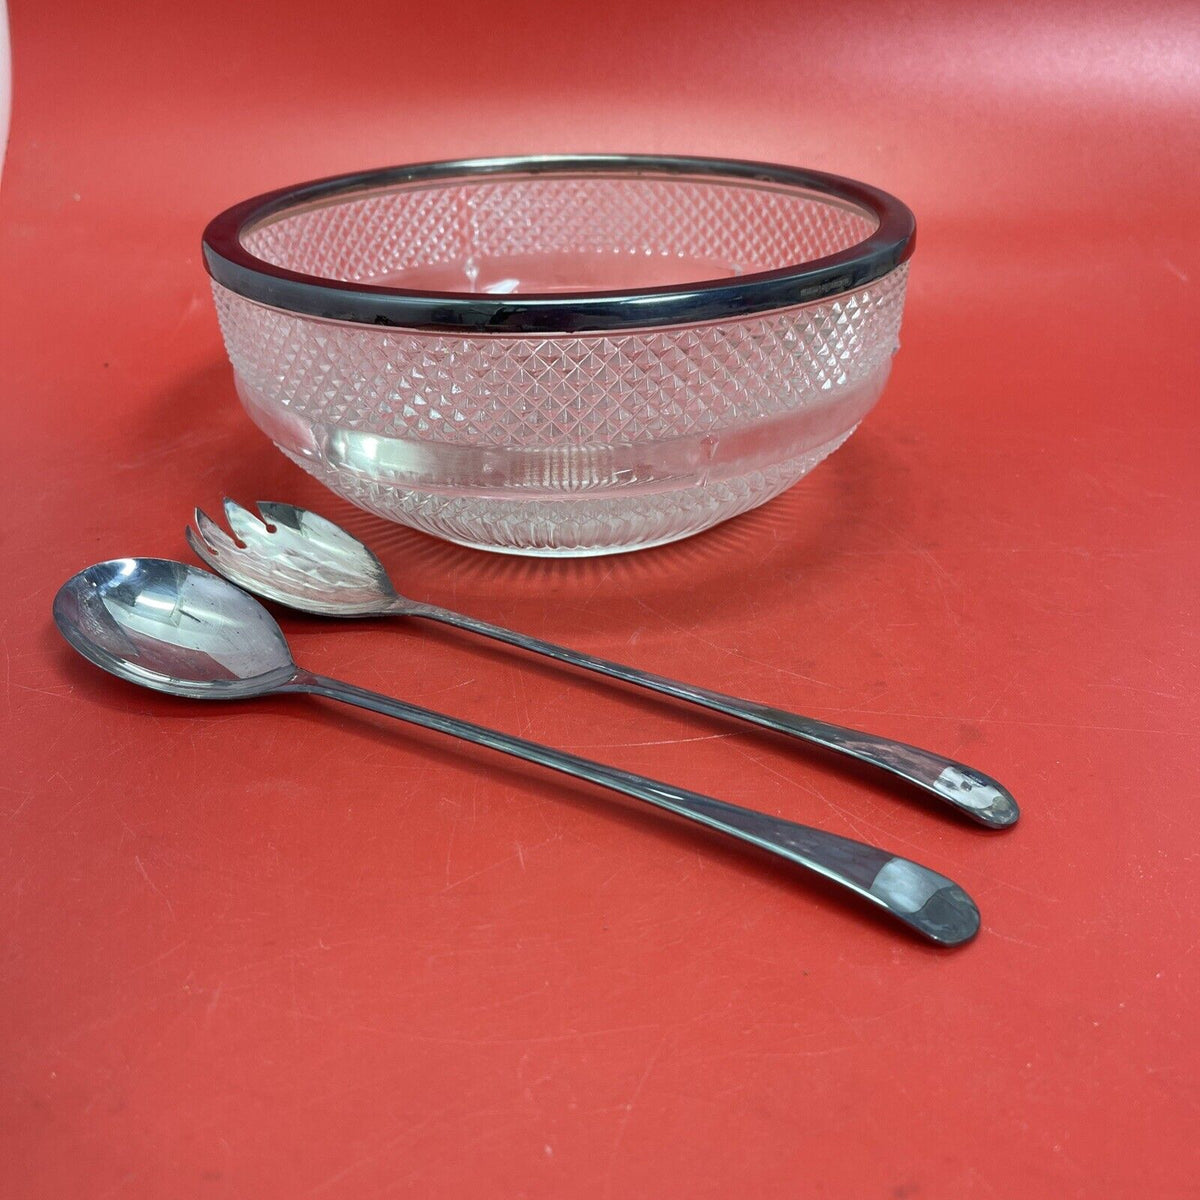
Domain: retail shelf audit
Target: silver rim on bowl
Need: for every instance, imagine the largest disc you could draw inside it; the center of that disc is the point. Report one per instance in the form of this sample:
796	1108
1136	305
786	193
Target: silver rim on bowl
234	267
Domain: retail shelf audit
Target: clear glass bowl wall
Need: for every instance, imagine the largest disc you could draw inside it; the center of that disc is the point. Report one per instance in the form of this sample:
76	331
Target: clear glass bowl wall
572	443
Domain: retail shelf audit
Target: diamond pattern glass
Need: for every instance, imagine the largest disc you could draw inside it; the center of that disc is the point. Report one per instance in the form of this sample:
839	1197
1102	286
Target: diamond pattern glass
568	443
743	227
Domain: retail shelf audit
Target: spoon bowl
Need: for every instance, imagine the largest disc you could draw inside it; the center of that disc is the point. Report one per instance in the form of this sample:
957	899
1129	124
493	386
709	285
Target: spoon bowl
174	628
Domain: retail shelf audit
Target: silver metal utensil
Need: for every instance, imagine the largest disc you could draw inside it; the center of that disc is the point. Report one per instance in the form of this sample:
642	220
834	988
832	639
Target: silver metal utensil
178	629
294	557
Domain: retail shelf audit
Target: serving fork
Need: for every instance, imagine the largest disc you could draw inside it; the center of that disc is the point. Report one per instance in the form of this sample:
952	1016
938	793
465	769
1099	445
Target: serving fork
303	561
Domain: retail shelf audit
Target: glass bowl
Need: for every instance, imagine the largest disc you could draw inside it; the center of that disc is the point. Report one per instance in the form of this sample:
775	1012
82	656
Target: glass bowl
562	355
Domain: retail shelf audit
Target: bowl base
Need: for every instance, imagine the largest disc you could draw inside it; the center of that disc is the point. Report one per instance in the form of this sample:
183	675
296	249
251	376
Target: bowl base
572	527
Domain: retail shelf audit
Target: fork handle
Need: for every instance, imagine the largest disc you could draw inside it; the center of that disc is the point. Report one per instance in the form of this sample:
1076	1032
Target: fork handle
927	902
971	792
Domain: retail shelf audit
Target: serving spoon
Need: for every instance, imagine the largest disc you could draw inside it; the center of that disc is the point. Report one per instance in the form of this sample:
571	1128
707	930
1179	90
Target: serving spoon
299	559
178	629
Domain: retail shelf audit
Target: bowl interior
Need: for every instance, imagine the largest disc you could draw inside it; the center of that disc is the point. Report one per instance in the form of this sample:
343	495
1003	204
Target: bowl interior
558	232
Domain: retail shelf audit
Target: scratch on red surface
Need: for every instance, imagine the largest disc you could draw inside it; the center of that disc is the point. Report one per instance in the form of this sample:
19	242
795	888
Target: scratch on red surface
1178	272
627	1112
153	886
706	737
684	631
811	790
518	855
211	1007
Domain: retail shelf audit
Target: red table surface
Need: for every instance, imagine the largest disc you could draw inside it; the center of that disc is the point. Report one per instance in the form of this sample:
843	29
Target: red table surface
285	949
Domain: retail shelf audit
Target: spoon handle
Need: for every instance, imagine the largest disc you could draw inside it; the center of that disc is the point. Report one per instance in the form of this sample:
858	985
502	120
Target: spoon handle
927	902
971	792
